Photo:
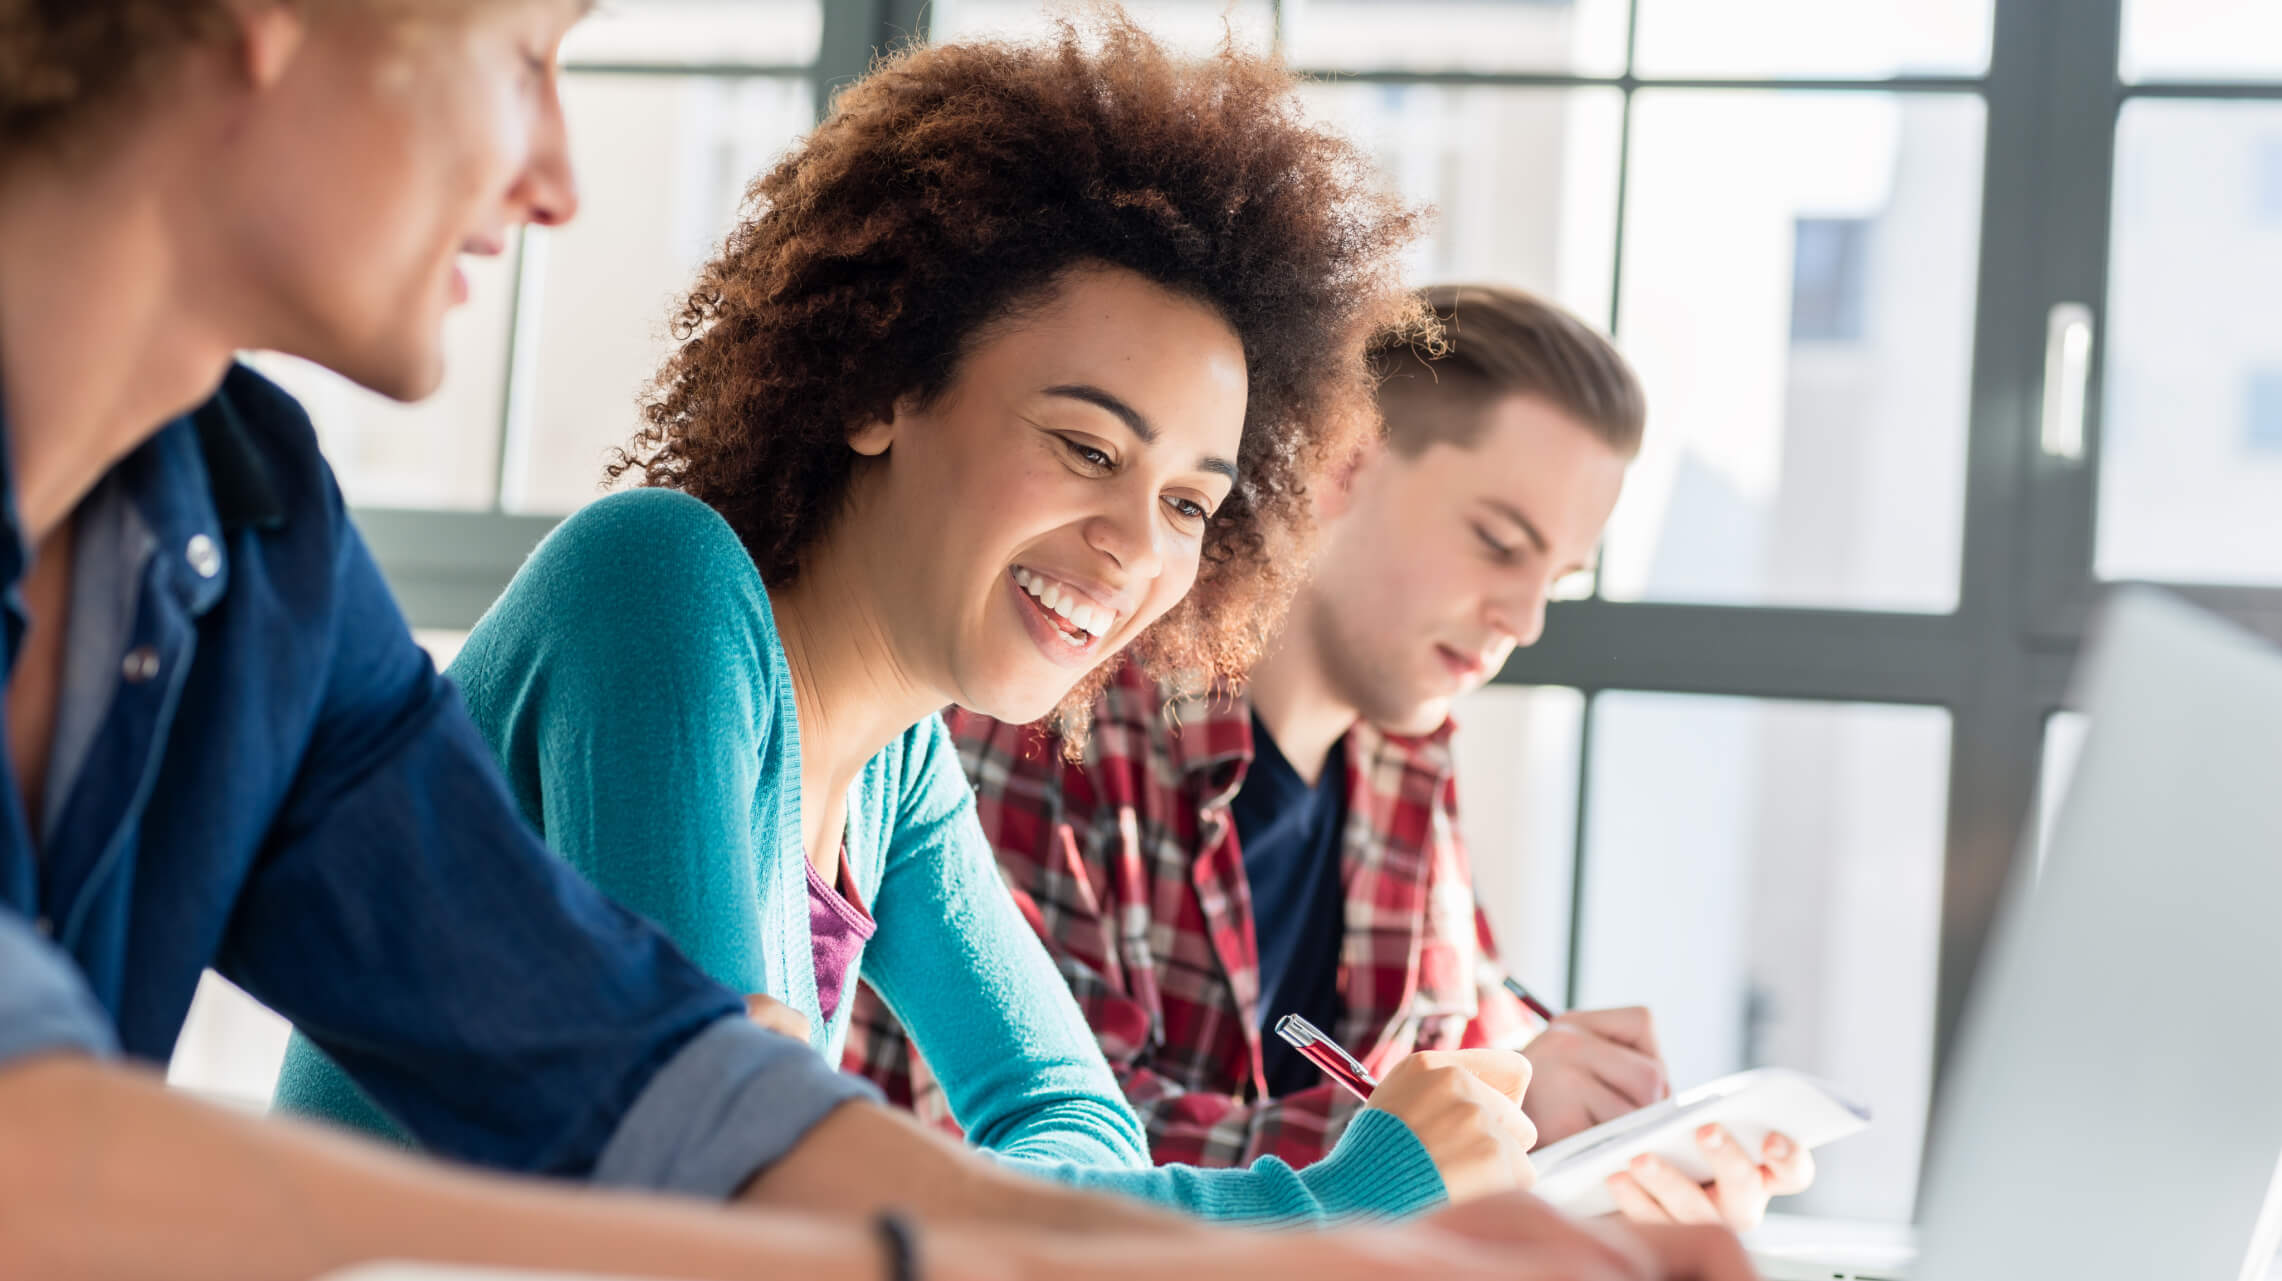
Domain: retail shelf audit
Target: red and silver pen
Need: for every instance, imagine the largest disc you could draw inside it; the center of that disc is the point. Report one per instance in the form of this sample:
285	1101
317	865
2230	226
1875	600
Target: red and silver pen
1325	1053
1522	994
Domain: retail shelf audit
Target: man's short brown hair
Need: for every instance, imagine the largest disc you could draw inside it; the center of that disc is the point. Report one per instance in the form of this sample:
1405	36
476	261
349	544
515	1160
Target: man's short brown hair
1498	342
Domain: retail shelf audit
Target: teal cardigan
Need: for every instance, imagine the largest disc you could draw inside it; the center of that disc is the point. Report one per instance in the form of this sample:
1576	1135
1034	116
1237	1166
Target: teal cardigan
633	685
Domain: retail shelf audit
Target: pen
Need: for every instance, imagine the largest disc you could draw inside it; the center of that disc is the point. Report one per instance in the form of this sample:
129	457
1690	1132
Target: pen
1325	1053
1522	994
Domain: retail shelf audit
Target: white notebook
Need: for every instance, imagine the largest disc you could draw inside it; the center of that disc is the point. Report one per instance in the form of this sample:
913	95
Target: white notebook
1573	1173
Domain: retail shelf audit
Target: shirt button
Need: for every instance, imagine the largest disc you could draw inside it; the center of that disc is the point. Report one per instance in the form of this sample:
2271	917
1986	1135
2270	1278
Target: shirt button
45	926
204	556
141	664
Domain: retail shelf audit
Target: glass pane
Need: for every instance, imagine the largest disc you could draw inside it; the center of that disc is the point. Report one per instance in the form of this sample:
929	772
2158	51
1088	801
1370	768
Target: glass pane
231	1046
1824	39
2191	434
1193	25
663	162
1522	181
1798	297
1517	750
1766	876
442	452
1585	37
654	32
2063	739
2202	40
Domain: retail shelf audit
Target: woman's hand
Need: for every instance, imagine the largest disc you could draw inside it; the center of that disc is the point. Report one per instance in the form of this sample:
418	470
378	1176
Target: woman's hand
1654	1191
1465	1108
777	1017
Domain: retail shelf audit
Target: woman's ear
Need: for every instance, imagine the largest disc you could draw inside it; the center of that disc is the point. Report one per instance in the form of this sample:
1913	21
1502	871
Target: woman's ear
872	439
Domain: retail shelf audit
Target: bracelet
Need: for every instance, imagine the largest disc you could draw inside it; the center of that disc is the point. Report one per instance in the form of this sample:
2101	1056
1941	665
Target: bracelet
901	1242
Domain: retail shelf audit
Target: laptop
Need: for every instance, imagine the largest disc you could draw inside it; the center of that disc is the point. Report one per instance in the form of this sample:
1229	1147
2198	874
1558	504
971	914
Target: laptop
2114	1104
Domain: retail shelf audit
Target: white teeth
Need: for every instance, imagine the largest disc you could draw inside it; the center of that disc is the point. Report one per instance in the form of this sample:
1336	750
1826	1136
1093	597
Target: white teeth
1090	618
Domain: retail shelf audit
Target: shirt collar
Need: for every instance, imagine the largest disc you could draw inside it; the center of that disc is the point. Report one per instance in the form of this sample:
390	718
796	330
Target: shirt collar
239	483
202	472
240	492
1212	744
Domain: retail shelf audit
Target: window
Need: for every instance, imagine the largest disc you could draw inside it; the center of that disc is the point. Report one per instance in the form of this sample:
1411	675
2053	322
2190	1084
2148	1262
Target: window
1859	39
2191	40
1778	471
1518	757
2262	413
1767	877
2194	339
1827	262
1523	181
1579	36
1195	25
2266	180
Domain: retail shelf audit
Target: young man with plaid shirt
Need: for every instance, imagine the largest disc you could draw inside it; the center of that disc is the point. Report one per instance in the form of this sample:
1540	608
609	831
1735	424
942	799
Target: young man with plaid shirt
1219	860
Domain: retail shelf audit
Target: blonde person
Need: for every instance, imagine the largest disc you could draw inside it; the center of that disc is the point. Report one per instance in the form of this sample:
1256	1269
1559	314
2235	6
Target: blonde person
223	748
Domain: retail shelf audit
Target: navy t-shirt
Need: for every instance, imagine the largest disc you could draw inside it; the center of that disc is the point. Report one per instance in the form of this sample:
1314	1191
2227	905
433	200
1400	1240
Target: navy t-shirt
1289	832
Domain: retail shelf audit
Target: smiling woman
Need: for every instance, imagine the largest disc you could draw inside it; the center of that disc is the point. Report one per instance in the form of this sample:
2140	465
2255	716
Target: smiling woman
1023	360
947	196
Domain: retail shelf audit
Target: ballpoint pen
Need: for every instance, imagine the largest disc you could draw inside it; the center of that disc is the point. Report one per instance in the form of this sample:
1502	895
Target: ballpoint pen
1522	994
1325	1053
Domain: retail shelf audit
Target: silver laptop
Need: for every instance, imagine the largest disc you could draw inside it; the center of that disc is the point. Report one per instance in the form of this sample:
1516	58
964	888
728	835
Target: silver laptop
2114	1110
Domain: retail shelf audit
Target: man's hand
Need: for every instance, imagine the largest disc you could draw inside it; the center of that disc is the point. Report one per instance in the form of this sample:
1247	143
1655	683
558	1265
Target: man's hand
1465	1108
1593	1066
1654	1191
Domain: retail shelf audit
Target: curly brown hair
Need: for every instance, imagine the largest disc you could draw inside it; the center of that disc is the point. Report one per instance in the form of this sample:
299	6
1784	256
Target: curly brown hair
956	184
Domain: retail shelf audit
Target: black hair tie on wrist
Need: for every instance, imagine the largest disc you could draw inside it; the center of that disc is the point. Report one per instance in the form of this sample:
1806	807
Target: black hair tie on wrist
901	1242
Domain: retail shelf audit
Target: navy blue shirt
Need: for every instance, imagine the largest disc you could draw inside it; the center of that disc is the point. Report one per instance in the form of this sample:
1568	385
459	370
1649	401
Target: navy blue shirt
256	769
1289	833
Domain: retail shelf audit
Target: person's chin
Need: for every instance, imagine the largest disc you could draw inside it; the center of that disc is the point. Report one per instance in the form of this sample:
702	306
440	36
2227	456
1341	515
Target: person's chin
1028	711
1018	699
1415	716
405	372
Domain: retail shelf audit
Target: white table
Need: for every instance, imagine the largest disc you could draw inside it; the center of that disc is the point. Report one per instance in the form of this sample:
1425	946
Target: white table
1792	1247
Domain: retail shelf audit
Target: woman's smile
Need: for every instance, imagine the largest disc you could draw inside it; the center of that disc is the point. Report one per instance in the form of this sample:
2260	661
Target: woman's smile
1068	625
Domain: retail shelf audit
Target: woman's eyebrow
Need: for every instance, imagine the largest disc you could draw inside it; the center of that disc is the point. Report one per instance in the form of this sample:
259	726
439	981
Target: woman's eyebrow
1101	399
1134	421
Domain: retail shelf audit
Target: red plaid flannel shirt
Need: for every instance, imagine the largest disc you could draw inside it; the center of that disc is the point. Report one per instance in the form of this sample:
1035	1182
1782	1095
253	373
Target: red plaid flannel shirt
1128	867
